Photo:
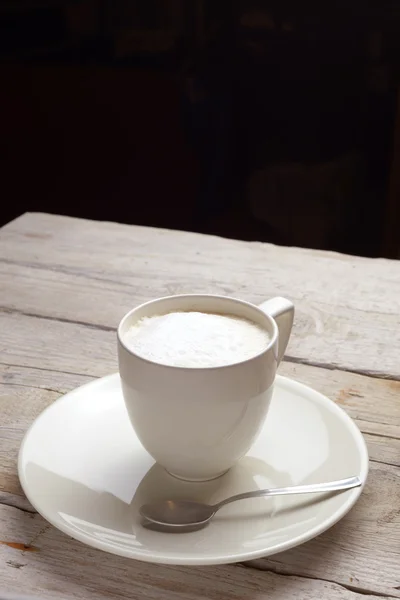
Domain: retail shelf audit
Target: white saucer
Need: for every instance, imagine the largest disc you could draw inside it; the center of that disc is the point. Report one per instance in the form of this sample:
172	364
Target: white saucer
82	467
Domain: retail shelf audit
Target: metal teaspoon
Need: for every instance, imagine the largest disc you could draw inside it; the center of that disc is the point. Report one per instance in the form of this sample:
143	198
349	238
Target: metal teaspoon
185	513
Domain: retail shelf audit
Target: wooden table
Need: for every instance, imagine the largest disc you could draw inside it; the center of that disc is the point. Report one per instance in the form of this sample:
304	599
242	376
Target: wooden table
65	284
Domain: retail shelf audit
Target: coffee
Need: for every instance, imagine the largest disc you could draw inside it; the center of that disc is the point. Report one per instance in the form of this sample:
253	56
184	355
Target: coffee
196	339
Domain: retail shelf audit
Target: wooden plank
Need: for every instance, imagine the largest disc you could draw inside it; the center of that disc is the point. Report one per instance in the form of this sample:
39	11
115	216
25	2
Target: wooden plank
39	560
383	449
348	308
372	402
14	377
58	346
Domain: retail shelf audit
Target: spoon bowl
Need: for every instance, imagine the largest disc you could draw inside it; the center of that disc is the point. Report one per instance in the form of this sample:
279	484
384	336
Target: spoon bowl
178	513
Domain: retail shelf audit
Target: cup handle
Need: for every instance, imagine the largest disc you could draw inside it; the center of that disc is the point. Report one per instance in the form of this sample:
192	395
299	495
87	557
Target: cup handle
282	311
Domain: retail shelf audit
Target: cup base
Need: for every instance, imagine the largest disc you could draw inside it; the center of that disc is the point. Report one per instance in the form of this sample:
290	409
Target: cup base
196	479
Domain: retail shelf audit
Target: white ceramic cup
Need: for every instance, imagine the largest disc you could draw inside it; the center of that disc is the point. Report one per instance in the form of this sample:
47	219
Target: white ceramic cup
197	422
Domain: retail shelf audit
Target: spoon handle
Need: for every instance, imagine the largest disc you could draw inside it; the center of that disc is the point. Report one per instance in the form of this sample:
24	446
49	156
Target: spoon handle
332	486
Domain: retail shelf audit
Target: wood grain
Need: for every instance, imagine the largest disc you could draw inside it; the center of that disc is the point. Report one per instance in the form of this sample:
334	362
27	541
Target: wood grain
348	308
63	568
64	285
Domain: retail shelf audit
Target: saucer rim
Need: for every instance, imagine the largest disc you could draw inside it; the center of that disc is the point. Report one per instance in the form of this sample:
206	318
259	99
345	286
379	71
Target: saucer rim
171	558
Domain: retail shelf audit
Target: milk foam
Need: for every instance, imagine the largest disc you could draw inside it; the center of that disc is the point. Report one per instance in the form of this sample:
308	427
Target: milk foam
196	339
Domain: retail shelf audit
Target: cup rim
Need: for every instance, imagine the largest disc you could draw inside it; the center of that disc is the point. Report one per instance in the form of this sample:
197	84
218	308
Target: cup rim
271	320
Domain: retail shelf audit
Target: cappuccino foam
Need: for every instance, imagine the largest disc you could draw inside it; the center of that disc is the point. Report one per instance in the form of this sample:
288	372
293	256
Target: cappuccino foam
196	339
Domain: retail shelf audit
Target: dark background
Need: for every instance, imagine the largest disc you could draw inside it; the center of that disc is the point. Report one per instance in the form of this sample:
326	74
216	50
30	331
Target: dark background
260	120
